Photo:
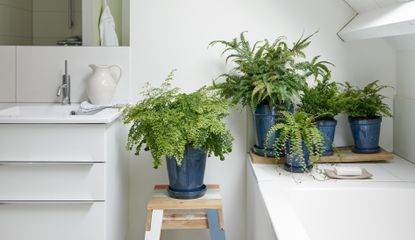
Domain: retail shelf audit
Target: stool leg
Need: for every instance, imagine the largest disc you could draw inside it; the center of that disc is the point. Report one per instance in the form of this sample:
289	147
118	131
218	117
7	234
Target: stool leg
156	222
216	233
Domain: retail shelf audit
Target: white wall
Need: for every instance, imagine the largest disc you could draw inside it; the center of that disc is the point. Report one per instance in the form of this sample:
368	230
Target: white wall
33	74
16	22
176	33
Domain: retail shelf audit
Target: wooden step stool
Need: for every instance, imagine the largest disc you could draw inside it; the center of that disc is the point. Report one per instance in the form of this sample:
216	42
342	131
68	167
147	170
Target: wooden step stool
164	213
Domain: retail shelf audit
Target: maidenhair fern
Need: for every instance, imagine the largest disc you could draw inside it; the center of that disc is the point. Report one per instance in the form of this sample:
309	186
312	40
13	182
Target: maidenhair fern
167	120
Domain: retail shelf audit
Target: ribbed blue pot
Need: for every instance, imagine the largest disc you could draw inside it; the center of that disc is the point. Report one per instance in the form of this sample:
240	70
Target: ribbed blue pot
186	181
293	163
265	117
328	128
366	134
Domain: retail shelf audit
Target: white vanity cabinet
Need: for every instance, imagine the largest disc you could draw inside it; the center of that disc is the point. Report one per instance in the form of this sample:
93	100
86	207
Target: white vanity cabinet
258	220
66	181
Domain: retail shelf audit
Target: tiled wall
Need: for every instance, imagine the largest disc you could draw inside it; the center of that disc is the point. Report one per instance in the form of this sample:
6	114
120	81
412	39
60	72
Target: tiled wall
50	21
16	22
33	74
405	104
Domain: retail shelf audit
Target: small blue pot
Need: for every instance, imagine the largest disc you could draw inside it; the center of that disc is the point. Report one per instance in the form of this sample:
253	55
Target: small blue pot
265	117
186	181
328	128
293	163
366	134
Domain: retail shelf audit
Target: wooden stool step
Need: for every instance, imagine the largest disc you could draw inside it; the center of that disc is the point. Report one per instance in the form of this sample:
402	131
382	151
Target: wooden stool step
165	213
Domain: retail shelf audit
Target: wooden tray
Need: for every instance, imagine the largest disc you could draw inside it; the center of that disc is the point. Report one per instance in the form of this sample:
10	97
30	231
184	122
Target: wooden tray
344	155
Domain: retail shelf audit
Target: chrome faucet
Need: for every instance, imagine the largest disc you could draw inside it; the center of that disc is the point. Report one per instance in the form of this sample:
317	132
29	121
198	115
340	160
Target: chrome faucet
65	88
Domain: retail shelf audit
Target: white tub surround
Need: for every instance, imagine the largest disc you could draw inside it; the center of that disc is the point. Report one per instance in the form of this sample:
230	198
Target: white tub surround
62	178
297	206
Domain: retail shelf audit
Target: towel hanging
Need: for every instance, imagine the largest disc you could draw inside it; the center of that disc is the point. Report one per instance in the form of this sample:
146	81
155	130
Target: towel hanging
108	35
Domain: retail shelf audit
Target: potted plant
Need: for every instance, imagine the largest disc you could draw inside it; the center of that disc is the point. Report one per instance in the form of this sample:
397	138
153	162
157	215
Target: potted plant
183	127
323	101
266	76
365	108
299	139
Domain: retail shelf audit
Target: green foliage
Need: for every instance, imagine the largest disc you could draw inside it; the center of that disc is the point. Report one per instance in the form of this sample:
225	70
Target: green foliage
267	72
166	121
296	129
322	100
366	102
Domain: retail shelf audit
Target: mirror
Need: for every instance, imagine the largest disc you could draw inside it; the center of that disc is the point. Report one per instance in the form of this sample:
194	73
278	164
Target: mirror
64	22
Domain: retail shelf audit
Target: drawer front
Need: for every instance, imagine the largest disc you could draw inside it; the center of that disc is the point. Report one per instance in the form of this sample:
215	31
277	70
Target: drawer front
52	221
51	181
52	142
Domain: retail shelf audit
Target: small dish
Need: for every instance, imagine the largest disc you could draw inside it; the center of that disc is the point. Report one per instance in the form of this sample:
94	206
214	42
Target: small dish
332	174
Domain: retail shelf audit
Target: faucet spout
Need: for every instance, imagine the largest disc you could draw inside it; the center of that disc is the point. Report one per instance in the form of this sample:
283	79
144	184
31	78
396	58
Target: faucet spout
60	89
64	90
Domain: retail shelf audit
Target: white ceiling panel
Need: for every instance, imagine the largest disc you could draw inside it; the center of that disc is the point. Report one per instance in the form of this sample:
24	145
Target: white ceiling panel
367	5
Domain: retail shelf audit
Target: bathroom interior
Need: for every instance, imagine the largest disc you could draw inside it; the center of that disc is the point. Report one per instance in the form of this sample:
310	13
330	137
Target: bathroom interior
102	102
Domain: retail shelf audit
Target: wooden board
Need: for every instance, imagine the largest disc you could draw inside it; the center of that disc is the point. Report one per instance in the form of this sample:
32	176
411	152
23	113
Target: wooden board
160	200
180	218
344	155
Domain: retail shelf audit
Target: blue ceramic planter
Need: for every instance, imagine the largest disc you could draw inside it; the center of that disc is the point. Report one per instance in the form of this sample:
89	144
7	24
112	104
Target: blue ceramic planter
186	181
293	163
265	117
328	128
366	134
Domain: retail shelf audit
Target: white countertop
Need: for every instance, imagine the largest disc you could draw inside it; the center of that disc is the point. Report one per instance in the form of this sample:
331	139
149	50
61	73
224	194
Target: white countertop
53	114
275	185
396	170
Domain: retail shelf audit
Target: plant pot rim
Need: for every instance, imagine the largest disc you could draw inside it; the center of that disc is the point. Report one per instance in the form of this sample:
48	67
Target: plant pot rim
188	145
326	119
365	118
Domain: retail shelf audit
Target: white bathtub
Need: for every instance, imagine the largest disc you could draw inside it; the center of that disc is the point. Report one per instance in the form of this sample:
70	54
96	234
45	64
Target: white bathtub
379	209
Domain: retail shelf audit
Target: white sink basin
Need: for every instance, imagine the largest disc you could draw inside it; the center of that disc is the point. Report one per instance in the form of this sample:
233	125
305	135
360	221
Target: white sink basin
54	113
38	110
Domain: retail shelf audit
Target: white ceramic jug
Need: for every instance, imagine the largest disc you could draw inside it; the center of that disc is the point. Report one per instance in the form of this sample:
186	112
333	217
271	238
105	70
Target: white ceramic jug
102	83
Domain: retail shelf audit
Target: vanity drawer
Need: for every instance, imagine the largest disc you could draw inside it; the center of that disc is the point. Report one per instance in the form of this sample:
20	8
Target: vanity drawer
52	221
52	142
51	181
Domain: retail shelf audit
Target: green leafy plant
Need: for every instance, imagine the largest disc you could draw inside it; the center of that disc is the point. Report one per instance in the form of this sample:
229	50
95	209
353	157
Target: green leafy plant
322	100
266	72
167	120
365	102
296	129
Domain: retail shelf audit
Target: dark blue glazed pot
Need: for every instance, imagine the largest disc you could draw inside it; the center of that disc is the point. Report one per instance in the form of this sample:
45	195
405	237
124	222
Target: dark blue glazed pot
328	129
186	181
265	117
293	163
366	134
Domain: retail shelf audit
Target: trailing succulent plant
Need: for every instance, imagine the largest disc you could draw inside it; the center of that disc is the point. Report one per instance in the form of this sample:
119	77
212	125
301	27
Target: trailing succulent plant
322	101
364	102
266	72
167	120
296	129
